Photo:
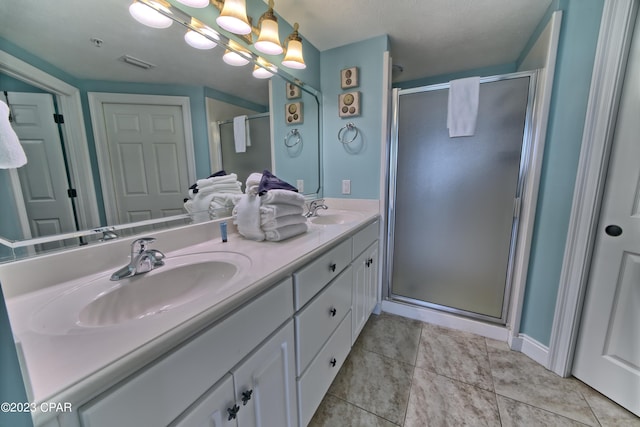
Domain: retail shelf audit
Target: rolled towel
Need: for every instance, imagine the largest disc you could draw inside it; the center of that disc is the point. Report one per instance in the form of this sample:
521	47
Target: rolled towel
286	197
282	221
221	188
270	212
253	183
248	217
285	232
213	180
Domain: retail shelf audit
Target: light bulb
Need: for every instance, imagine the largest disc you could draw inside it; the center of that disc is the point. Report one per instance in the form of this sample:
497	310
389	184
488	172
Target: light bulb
237	58
199	41
233	17
269	41
149	16
195	3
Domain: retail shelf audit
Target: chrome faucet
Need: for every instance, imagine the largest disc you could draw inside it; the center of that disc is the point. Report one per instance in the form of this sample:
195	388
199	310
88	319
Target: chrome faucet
314	206
142	259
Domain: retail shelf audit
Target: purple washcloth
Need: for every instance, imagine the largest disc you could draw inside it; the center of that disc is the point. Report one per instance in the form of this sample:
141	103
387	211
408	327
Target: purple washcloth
272	182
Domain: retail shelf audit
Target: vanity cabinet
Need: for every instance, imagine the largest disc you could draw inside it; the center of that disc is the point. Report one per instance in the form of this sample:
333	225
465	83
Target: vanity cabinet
365	287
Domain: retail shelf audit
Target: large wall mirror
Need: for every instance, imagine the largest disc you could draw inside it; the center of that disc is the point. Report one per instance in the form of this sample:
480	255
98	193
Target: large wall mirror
106	72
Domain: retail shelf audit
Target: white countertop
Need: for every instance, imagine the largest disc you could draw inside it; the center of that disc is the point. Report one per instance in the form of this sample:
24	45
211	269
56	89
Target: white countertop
72	365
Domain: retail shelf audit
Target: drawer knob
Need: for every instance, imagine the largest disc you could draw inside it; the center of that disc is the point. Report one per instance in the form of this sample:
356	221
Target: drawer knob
333	362
246	396
233	412
333	312
369	262
332	267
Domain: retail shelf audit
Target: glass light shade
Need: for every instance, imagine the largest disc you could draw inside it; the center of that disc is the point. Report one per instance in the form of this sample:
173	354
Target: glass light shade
233	17
149	16
293	58
199	41
269	41
263	73
235	58
195	3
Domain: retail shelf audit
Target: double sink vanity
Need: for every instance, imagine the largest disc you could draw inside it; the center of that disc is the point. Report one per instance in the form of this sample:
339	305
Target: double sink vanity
240	333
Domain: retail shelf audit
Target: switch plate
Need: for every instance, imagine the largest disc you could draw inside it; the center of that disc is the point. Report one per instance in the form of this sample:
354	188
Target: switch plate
300	185
346	186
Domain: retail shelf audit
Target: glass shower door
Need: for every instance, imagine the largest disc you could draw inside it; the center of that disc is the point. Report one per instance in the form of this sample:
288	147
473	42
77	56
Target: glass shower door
453	222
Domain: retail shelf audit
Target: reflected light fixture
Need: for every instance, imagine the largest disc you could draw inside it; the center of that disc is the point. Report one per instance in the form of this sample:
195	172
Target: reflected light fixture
293	58
149	16
233	17
195	3
197	39
237	55
269	40
263	69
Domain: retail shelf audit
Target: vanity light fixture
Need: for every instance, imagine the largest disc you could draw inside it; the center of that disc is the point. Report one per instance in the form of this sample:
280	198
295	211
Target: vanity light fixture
236	55
269	40
202	38
263	69
233	17
149	15
293	58
195	3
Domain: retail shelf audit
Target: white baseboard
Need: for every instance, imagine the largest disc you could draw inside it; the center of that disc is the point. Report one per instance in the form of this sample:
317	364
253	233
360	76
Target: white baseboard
447	320
531	348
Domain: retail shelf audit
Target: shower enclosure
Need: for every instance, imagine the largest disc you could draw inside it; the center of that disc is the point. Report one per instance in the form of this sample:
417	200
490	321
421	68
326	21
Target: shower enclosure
454	202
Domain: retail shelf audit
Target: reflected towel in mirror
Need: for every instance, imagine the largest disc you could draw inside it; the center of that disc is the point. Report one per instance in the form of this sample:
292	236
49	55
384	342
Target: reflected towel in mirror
11	152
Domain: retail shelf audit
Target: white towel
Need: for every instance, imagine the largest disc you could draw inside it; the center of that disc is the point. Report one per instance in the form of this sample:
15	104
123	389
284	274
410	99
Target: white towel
285	232
270	212
282	221
240	133
11	152
286	197
224	179
253	183
248	217
462	112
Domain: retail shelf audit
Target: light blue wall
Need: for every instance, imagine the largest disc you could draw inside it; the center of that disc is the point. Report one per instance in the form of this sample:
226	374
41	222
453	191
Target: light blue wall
576	51
362	166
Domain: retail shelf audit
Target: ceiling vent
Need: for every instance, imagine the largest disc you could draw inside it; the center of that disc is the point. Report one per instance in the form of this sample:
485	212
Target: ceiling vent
137	62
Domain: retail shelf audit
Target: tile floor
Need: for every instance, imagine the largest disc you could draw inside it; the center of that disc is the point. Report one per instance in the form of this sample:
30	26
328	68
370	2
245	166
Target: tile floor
402	372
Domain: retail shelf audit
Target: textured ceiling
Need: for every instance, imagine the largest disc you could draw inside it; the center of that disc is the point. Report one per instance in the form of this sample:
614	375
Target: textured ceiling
428	37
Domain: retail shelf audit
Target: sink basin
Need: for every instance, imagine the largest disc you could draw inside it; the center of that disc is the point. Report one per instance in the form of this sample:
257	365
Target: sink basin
101	302
336	217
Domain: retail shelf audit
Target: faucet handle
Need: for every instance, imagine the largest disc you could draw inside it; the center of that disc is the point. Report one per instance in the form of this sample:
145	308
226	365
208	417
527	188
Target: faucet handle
142	244
315	203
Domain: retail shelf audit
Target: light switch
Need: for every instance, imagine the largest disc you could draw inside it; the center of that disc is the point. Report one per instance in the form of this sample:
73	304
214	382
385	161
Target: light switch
300	185
346	186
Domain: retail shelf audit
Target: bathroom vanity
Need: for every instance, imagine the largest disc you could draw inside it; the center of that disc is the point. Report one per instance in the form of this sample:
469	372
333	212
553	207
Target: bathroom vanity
262	348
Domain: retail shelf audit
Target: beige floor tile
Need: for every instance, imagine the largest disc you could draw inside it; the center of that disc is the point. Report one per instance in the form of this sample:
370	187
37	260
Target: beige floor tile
391	336
375	383
334	412
609	413
437	401
455	354
517	414
519	378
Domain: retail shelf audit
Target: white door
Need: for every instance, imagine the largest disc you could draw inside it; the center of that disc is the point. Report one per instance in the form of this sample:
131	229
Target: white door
608	349
43	179
148	160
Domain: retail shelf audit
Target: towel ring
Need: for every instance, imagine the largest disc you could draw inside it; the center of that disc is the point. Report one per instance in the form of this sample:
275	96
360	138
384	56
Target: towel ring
348	127
292	132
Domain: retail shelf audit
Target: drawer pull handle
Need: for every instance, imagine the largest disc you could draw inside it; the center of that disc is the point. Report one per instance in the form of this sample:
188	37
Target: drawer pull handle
332	267
246	396
333	362
233	412
369	262
333	312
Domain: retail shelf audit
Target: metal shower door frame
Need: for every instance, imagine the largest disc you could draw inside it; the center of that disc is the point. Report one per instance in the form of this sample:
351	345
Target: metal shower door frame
525	155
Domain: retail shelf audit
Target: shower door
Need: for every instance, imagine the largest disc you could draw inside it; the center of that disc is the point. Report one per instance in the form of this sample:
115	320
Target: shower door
454	202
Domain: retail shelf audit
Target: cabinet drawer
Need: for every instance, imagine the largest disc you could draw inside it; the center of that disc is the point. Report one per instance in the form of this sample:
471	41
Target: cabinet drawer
364	238
316	322
310	279
316	380
158	394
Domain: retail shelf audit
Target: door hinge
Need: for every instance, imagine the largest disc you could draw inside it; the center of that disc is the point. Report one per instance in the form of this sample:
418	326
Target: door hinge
516	207
72	193
58	118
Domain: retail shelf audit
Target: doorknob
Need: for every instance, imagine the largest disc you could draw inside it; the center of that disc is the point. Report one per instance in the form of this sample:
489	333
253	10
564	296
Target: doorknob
613	230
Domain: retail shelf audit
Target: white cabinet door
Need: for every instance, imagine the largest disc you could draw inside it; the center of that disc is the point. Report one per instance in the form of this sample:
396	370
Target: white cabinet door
214	409
365	281
265	384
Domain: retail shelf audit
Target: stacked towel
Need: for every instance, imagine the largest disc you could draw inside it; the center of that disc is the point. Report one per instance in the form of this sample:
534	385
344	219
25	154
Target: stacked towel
276	215
214	196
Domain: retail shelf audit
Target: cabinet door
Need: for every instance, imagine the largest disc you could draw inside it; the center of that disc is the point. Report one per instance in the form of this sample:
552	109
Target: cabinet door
358	298
215	409
265	383
371	264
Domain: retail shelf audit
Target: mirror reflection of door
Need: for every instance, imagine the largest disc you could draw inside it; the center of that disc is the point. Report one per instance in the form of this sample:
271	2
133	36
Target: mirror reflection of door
144	166
43	181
